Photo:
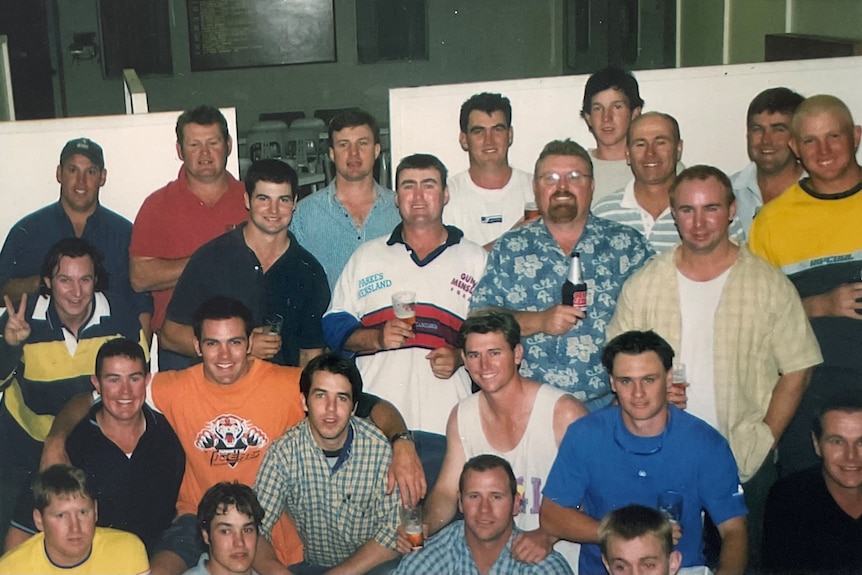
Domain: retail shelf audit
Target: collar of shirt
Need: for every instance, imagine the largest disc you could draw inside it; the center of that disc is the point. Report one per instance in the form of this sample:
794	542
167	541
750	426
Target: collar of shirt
453	236
45	310
501	562
332	195
638	445
345	449
60	212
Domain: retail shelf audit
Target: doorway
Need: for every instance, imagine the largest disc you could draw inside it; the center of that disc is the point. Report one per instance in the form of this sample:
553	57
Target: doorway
26	24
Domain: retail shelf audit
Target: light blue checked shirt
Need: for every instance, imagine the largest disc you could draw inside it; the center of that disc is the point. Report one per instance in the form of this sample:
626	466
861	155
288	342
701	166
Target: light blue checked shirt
323	226
337	509
447	554
525	272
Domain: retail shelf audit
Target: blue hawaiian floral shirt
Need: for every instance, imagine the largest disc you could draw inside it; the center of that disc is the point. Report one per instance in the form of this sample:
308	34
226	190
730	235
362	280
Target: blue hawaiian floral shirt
525	272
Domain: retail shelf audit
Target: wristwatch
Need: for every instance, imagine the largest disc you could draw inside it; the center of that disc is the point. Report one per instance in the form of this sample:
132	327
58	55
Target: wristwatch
408	435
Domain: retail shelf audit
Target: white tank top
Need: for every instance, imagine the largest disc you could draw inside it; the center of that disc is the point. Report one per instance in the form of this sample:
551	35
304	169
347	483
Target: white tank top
531	458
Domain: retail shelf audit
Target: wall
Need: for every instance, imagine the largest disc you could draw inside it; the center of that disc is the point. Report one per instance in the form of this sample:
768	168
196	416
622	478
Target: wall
469	40
841	18
701	32
750	20
749	23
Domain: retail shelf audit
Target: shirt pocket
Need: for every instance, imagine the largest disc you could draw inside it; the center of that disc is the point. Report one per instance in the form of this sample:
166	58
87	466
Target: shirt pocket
354	520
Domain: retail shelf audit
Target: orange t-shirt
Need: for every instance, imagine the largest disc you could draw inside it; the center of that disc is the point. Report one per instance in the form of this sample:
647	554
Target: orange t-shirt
226	429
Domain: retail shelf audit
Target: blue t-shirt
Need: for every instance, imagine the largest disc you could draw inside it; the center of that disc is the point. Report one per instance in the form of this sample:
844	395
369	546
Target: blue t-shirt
601	466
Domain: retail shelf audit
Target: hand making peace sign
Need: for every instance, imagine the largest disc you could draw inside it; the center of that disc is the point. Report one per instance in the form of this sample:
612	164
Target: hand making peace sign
17	329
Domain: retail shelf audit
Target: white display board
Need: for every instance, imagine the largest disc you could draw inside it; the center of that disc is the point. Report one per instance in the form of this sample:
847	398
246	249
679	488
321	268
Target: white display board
140	156
709	102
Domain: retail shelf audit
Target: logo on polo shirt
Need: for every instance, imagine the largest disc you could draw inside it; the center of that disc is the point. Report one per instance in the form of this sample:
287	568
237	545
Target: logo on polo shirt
231	439
463	285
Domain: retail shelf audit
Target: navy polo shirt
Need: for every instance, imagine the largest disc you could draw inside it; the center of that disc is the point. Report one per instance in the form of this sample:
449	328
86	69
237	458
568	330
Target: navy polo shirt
137	493
30	239
294	287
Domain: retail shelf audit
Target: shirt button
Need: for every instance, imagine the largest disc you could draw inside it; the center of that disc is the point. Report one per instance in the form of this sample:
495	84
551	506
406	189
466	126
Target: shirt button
641	473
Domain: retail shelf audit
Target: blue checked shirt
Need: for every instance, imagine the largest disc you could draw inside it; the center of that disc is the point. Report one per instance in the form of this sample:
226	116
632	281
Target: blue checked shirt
525	272
337	509
447	554
324	227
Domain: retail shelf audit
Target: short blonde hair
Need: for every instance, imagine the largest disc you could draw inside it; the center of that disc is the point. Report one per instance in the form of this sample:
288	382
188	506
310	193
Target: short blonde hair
822	104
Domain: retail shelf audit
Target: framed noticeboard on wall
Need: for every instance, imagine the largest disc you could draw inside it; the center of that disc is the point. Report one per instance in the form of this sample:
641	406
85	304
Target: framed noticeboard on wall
227	34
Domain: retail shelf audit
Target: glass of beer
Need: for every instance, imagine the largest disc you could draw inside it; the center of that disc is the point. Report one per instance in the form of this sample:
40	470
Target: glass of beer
274	323
679	376
670	503
404	306
411	520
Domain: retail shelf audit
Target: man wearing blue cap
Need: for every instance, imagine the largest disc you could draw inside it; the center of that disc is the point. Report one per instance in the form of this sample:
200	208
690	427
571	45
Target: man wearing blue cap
80	173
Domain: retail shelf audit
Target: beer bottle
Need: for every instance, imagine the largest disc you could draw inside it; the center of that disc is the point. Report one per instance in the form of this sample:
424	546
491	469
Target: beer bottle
574	289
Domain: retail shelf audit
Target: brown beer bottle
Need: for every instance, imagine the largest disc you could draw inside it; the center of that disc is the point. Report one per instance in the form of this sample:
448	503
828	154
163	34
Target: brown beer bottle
574	288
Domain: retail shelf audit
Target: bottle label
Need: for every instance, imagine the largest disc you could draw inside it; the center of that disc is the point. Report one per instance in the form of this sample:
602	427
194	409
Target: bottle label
580	299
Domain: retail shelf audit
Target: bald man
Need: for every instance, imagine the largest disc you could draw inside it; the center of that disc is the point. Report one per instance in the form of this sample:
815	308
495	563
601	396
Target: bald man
812	233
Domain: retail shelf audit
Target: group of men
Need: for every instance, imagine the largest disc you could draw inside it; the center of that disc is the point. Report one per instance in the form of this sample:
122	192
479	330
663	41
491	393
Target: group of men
753	294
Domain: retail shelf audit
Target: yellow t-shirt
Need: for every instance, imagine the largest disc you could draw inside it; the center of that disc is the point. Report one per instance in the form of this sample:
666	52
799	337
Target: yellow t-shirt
114	552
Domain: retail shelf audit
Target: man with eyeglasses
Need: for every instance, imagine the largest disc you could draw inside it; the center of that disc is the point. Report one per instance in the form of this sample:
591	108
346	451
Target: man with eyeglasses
639	451
261	264
528	266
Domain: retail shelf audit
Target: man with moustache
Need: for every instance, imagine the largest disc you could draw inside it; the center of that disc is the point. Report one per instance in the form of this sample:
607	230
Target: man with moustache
528	266
811	232
773	167
204	201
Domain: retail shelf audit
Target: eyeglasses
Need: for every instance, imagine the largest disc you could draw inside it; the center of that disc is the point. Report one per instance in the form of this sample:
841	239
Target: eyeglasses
573	178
